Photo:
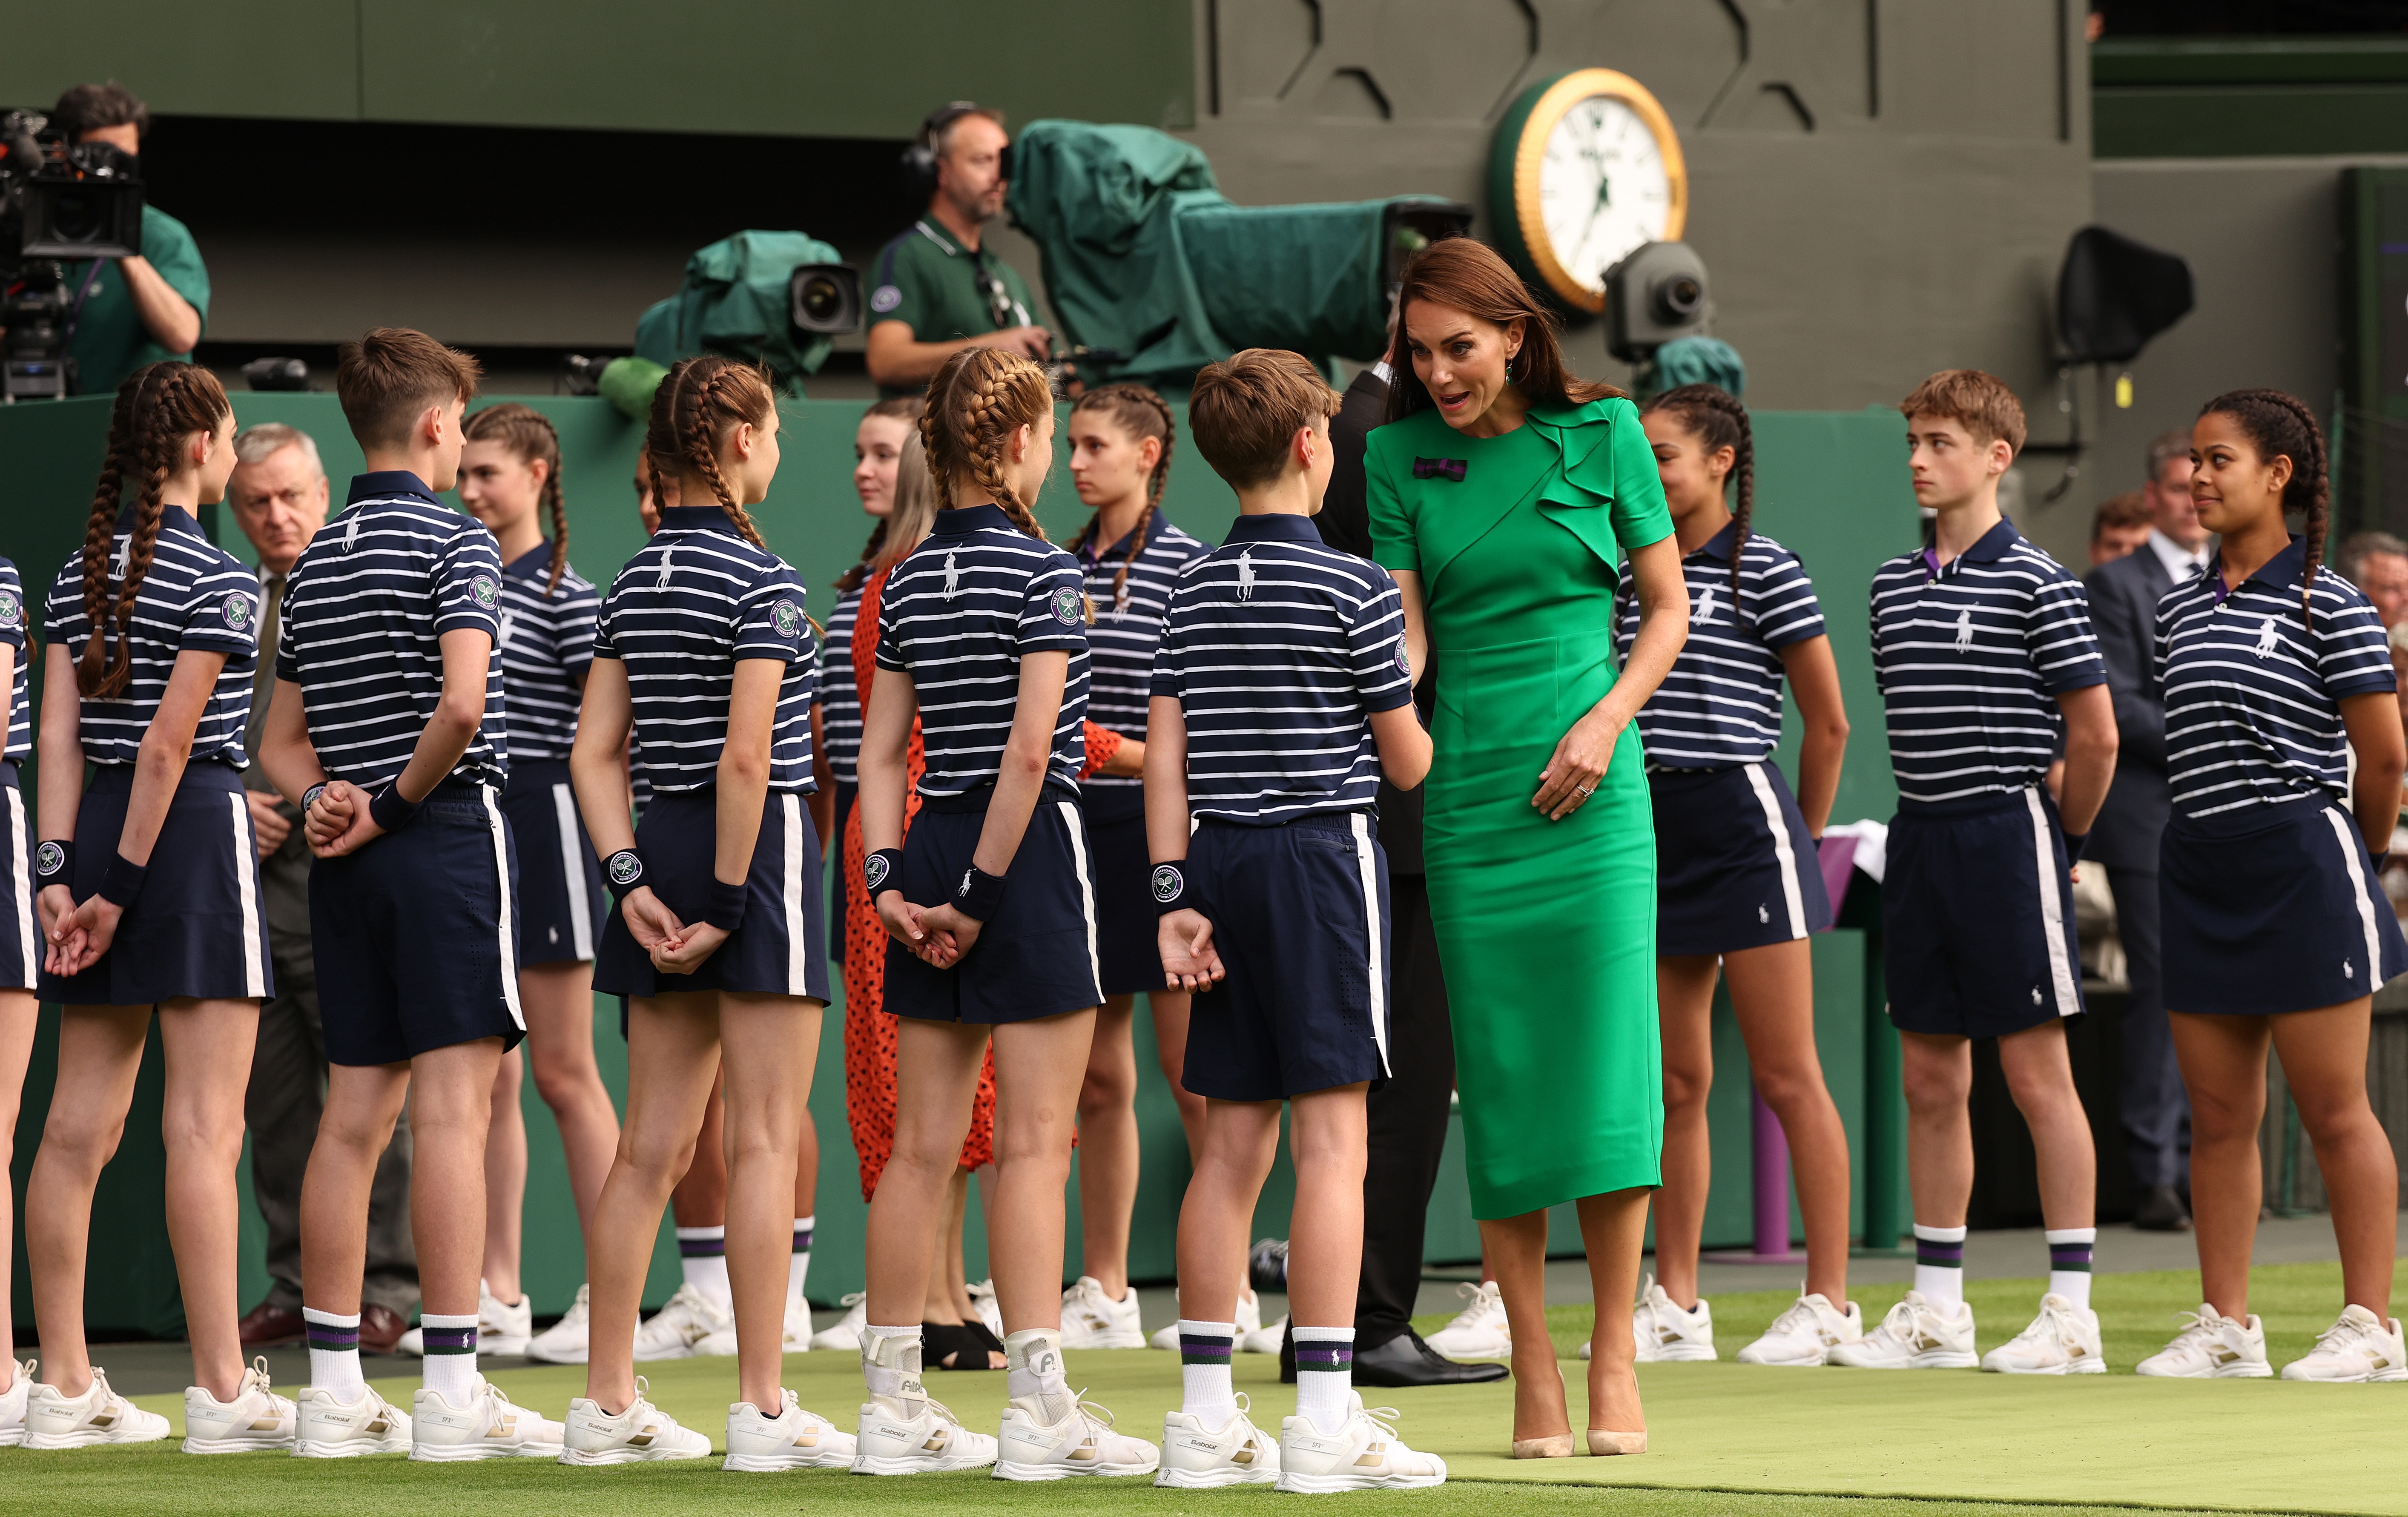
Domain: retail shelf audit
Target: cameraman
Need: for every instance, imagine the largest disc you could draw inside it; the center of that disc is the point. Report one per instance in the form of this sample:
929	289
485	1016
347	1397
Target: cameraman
126	312
938	290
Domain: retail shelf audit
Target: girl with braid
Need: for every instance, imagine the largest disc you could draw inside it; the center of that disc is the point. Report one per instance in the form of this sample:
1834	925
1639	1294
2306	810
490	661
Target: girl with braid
703	651
150	901
990	904
1738	887
2276	931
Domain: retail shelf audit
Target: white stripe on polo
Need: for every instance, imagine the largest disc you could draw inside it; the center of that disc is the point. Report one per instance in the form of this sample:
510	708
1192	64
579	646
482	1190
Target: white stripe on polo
1720	705
1129	629
546	645
839	696
14	619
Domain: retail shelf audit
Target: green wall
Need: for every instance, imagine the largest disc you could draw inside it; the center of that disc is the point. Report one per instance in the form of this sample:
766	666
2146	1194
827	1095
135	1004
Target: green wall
2237	97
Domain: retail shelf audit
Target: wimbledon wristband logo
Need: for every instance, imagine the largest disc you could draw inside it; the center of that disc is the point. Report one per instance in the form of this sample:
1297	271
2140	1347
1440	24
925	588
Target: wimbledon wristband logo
1167	884
625	868
874	872
50	859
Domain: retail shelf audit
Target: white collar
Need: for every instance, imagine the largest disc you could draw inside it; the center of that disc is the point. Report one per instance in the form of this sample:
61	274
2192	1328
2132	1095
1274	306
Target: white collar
2179	561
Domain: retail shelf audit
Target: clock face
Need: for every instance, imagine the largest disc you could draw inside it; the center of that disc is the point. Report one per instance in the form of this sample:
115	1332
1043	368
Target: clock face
1603	188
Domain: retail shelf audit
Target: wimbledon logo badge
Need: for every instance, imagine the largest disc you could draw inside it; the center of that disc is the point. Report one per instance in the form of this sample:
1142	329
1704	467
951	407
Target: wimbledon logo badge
1167	884
623	867
1066	606
875	872
787	620
483	591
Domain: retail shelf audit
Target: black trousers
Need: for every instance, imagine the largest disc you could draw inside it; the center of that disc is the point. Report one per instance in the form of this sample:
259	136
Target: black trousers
2156	1106
1407	1122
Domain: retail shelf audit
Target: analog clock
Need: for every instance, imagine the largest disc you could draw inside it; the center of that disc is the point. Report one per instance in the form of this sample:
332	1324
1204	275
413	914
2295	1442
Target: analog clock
1584	169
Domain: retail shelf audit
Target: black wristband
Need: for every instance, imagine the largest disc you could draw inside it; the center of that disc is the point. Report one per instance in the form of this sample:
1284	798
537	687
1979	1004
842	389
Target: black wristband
979	894
54	862
623	872
879	868
727	909
390	811
309	796
1169	888
2075	843
2381	860
123	881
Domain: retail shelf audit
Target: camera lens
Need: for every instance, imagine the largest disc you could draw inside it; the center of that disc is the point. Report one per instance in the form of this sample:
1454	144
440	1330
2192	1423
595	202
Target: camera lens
1678	298
77	218
822	299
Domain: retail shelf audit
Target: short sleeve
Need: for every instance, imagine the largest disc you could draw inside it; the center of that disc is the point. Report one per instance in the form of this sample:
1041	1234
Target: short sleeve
2162	639
1053	610
468	584
168	247
288	652
573	629
888	653
2058	639
1638	513
2353	656
12	607
901	293
1873	636
605	645
770	622
222	614
1394	545
1375	649
1783	603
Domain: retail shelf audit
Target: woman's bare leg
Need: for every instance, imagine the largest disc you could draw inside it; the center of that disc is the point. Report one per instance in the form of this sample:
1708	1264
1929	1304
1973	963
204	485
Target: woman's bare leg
100	1053
1772	996
1108	1148
207	1047
1685	999
18	1012
770	1045
505	1174
1613	1227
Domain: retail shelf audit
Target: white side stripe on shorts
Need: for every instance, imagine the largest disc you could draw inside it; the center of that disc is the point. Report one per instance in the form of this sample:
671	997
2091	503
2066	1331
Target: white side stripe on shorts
502	893
1783	848
2052	909
2358	891
21	889
1077	825
1377	998
246	886
797	934
572	871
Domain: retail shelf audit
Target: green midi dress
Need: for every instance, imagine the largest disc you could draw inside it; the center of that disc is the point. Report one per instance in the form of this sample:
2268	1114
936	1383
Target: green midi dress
1546	930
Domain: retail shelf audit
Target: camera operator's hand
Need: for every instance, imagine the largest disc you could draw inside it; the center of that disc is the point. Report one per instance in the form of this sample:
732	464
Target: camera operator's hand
1032	341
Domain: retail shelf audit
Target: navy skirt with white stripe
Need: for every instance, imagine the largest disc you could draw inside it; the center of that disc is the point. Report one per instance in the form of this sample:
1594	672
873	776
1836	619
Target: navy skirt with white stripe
1734	867
777	952
196	929
561	902
20	931
1037	956
2272	909
1126	949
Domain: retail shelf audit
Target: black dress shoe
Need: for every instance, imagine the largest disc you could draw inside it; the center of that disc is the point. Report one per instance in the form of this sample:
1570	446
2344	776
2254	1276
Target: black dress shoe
1405	1360
2160	1210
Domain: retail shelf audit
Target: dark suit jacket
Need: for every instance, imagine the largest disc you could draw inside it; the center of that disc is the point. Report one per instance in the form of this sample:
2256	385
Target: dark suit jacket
2123	610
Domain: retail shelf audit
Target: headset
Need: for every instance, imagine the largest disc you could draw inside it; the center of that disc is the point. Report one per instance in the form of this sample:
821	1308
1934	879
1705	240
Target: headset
920	158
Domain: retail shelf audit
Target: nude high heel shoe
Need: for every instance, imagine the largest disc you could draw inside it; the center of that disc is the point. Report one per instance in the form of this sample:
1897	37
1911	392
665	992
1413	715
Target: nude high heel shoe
1604	1441
1557	1447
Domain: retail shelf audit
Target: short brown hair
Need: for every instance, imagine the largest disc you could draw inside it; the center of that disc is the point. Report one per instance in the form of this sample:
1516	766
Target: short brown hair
1245	409
89	107
1979	403
2116	512
391	375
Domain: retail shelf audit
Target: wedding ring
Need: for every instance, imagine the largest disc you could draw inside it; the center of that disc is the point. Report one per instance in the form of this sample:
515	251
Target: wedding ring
1585	792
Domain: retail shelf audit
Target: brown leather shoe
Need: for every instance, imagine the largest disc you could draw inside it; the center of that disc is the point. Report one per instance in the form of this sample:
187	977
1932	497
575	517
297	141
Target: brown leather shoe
268	1325
380	1328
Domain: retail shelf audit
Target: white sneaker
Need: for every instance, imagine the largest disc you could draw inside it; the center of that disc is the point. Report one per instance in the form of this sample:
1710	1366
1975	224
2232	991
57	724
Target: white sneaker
1668	1334
1364	1454
564	1342
13	1400
326	1426
793	1439
1913	1335
1249	1320
845	1332
676	1330
2358	1347
916	1435
1264	1340
487	1426
1164	1336
502	1329
1479	1331
1805	1334
2062	1340
1092	1320
100	1415
2212	1347
796	1339
256	1418
990	1310
1196	1457
1083	1442
642	1432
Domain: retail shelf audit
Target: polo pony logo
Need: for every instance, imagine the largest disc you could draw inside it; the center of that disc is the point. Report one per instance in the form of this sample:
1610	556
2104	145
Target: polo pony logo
2268	639
1965	630
1705	610
953	576
1246	575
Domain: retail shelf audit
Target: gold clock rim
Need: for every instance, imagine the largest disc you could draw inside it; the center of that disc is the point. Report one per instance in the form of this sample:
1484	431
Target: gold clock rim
1529	154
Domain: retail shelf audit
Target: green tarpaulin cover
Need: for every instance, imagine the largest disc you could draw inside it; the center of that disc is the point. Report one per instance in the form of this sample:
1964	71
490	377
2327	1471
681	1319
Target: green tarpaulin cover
734	302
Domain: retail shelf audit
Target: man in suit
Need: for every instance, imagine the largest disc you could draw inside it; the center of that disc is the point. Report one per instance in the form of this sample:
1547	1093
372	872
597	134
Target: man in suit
2124	595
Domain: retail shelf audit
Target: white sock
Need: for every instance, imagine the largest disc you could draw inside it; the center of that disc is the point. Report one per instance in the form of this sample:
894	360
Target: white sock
335	1353
1032	1363
449	1367
2069	1261
1204	1350
799	1268
1940	1266
902	1359
1325	1374
703	1253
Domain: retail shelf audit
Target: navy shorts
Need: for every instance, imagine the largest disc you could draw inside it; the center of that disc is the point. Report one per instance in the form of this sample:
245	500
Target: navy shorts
777	952
21	929
846	886
1734	867
2272	909
1299	913
561	902
196	929
416	936
1129	958
1037	956
1977	917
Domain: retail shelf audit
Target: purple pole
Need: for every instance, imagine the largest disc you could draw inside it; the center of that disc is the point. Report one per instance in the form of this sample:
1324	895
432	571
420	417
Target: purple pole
1771	1151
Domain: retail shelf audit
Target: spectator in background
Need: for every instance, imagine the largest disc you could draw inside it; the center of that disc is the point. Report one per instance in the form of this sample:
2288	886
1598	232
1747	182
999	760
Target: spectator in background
2377	563
278	496
2120	526
129	311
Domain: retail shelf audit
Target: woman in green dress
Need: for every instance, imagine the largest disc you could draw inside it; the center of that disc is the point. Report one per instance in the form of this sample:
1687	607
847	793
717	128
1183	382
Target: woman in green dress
1504	496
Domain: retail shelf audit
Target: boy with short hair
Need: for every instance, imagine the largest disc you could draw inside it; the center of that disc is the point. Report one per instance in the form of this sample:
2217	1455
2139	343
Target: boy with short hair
1282	693
386	731
1984	652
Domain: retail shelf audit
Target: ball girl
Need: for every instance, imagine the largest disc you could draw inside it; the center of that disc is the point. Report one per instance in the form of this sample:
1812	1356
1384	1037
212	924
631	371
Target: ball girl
703	652
2276	931
982	633
1739	888
150	900
21	963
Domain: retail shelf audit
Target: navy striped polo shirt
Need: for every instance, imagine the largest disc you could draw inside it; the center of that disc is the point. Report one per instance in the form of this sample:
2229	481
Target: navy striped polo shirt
2253	696
366	608
1971	657
196	595
546	644
956	616
839	696
681	615
12	631
1278	651
1720	706
1127	630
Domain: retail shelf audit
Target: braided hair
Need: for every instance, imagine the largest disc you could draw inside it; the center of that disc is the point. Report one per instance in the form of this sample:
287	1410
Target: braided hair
2279	424
157	407
906	409
979	398
700	401
1716	419
1140	414
529	434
